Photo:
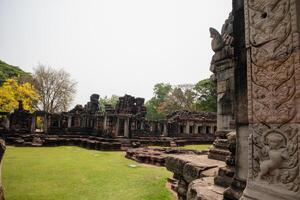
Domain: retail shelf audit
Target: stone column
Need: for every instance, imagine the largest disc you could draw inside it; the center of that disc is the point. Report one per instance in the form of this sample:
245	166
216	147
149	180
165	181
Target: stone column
187	128
222	65
126	127
105	123
273	61
7	123
117	127
69	121
33	121
195	129
45	121
238	184
165	130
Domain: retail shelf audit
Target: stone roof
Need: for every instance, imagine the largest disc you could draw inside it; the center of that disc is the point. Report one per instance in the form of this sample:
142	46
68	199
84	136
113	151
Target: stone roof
184	115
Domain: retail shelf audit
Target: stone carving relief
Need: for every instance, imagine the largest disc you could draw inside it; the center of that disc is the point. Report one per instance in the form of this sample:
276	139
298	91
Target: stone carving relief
272	62
275	157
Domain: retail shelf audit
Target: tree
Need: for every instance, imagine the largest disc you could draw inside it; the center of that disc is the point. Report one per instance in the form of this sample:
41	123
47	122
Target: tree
11	92
167	99
8	71
178	99
160	91
206	93
56	89
104	101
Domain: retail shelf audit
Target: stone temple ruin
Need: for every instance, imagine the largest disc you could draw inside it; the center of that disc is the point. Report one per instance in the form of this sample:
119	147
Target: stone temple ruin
113	129
257	69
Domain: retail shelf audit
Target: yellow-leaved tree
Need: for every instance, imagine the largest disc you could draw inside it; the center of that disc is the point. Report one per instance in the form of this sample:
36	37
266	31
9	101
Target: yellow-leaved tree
11	92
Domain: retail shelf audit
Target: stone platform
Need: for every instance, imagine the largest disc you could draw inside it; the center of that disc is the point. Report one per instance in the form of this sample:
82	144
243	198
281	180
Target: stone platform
89	142
194	177
157	156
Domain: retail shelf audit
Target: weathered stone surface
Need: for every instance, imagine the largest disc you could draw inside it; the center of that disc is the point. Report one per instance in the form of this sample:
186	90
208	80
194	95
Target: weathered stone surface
188	168
273	41
222	65
204	189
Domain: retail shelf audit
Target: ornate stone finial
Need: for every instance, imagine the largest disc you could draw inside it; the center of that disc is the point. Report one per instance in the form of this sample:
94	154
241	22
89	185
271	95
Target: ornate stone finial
217	42
222	43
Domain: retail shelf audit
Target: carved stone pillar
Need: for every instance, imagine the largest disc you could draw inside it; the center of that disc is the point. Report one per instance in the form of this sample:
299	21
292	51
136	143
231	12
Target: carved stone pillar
222	65
45	121
69	121
165	129
273	61
117	127
33	123
126	127
105	123
187	128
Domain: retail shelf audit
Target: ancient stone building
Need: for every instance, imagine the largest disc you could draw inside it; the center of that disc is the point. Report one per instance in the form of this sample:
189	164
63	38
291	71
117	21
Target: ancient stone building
189	123
125	121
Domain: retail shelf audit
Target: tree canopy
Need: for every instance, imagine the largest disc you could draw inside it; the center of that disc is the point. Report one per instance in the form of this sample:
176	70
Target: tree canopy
11	92
8	71
161	92
108	100
199	97
56	89
206	94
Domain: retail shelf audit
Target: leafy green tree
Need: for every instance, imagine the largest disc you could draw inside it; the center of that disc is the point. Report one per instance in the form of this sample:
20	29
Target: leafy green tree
167	99
8	71
160	91
178	99
105	100
206	94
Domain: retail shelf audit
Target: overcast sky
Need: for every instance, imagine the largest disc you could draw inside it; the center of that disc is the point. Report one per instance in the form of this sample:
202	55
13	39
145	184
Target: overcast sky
113	46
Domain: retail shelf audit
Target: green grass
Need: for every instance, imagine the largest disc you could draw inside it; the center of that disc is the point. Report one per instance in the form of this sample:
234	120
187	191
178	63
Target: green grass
69	173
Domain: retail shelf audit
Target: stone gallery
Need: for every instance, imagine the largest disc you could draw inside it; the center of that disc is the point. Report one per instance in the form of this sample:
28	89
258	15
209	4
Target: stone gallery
256	66
114	128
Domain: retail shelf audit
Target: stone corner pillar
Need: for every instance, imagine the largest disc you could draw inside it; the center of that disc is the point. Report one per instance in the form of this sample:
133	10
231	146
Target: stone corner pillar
273	62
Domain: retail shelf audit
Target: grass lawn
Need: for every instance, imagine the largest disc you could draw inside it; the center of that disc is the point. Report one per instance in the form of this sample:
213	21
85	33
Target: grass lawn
73	173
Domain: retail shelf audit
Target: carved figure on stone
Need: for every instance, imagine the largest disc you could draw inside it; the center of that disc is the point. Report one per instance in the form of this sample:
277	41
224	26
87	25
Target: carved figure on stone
276	151
272	40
